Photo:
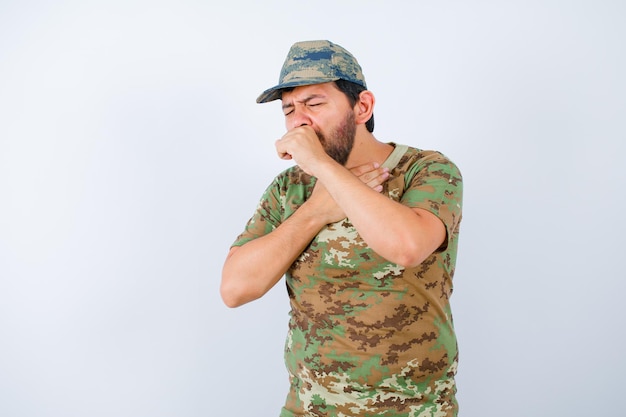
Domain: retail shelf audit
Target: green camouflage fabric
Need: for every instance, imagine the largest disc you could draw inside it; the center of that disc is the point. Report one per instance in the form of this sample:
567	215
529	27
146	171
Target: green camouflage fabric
368	337
314	62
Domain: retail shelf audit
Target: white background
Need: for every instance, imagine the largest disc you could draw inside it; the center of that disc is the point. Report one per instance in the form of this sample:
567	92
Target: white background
132	152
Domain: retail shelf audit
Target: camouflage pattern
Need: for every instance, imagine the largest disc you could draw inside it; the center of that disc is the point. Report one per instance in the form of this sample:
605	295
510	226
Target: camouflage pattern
314	62
368	337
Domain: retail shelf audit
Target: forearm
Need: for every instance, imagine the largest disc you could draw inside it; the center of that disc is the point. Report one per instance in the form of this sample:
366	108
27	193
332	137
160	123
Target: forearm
393	230
254	268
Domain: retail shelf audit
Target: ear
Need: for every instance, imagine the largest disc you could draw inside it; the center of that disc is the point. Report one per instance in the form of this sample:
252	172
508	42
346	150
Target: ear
364	107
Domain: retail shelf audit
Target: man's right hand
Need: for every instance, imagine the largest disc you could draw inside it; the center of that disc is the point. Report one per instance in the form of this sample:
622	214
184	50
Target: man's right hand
303	146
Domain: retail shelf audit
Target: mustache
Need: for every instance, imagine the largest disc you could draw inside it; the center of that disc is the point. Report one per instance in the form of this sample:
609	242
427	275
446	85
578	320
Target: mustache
320	137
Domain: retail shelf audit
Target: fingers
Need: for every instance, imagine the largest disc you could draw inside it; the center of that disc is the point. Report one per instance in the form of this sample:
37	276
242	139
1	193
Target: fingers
365	168
372	174
281	151
302	145
369	171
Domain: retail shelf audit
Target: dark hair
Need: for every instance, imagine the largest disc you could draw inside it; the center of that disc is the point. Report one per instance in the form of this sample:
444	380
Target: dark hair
352	91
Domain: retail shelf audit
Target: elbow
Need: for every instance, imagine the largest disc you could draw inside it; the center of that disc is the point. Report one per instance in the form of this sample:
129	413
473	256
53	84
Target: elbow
229	292
411	252
409	260
414	244
234	294
410	256
231	297
230	300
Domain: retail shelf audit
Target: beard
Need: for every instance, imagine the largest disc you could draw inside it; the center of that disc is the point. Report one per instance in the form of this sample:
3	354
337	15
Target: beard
338	144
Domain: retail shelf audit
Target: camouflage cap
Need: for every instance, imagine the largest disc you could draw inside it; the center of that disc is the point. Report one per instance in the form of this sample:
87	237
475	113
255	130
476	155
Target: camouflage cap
314	62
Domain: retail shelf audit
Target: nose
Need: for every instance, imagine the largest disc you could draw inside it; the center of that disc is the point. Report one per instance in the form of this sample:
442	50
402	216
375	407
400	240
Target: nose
299	117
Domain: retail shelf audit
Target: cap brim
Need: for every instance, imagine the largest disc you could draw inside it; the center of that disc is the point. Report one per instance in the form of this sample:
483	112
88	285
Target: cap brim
276	92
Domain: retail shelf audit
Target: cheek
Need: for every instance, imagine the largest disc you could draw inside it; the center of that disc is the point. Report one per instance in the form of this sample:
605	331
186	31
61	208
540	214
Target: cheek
325	125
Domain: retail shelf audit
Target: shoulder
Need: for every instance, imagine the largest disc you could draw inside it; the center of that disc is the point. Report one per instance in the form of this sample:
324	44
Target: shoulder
290	188
293	175
415	159
425	156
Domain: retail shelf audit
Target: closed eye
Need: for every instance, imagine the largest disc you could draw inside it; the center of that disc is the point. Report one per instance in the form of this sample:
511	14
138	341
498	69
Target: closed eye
289	107
287	110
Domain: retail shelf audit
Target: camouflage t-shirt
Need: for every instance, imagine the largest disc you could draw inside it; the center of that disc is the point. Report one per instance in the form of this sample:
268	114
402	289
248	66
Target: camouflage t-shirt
366	336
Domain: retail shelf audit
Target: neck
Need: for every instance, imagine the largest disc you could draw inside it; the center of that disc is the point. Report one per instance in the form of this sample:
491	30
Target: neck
368	149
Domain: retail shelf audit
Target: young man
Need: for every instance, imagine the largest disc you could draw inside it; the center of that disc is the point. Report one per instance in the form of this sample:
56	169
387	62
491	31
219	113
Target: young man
366	234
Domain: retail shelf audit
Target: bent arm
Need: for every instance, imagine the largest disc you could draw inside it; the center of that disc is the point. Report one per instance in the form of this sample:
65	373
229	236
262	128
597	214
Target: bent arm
403	235
253	269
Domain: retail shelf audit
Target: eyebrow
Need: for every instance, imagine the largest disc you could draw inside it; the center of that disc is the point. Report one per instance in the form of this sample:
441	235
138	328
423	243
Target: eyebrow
305	100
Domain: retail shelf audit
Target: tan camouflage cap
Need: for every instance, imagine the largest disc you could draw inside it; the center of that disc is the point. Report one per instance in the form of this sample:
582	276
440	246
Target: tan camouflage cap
315	62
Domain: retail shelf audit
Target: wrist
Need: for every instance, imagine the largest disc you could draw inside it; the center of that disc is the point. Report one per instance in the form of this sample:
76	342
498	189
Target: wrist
328	170
312	217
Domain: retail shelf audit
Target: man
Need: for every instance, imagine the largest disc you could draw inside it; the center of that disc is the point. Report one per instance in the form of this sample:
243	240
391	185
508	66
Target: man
365	233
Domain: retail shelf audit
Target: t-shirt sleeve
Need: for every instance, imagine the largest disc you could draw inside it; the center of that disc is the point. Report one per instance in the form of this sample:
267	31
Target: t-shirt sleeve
266	217
434	183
